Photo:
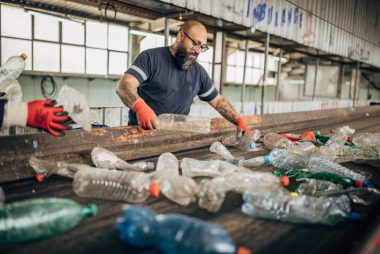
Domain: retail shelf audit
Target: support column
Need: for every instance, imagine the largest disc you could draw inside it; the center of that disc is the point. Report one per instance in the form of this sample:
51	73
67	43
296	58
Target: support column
357	80
218	63
242	94
278	83
265	73
315	77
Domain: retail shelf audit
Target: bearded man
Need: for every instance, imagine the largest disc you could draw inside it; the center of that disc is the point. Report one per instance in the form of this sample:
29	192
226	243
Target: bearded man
166	80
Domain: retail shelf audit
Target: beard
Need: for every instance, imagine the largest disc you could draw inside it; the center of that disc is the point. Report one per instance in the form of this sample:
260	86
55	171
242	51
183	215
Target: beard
183	58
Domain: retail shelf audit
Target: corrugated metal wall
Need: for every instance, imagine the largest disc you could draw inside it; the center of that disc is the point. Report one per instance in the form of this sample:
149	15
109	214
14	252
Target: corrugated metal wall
349	28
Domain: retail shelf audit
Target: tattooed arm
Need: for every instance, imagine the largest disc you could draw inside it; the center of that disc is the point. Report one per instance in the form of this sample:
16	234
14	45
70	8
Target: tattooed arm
127	90
224	107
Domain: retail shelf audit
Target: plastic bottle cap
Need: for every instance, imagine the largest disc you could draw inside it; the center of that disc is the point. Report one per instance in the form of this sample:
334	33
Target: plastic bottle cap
293	194
349	139
359	183
243	250
24	56
284	180
39	177
90	210
367	184
252	145
267	159
353	216
154	189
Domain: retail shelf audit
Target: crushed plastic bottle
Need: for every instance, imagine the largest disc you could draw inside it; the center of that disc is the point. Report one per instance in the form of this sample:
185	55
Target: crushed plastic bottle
221	150
244	142
296	208
335	143
316	187
10	90
366	146
102	158
274	140
46	168
183	123
173	233
177	188
284	159
212	192
193	167
128	186
300	174
13	67
76	105
37	219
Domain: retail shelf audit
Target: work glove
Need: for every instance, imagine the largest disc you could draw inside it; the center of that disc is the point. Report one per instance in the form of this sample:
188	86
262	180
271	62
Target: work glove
145	115
242	126
46	115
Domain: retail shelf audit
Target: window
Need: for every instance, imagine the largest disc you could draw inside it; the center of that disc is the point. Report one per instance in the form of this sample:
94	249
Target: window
14	47
72	59
72	32
117	63
46	56
96	34
15	22
117	38
96	61
46	27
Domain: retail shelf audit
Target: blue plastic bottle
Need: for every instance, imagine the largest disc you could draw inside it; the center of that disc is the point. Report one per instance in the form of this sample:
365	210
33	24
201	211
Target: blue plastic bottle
173	233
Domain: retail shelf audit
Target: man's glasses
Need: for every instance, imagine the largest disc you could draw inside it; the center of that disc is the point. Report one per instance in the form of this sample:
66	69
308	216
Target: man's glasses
197	45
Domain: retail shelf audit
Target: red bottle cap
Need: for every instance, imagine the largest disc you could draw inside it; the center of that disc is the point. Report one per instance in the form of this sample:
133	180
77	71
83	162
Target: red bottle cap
243	250
284	180
349	139
39	177
154	189
359	183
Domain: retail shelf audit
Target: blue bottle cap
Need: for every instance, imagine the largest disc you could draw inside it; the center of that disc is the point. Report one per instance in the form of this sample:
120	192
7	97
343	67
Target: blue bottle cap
354	216
367	184
252	146
267	159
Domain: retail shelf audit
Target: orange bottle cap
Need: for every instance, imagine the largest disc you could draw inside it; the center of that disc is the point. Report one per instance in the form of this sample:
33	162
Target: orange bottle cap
243	250
24	56
284	180
154	189
308	135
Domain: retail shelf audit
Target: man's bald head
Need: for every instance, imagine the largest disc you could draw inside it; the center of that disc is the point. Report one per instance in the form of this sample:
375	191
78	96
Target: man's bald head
193	24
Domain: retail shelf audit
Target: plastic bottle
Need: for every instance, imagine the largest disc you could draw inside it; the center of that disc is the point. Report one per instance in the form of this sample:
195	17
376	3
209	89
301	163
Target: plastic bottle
244	142
193	167
11	90
46	168
221	150
13	67
253	162
286	160
322	139
317	187
177	188
128	186
37	219
326	176
295	208
212	192
335	143
173	233
274	140
183	123
103	158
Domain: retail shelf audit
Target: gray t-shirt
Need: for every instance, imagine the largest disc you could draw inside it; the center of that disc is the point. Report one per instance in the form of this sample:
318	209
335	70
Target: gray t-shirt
165	87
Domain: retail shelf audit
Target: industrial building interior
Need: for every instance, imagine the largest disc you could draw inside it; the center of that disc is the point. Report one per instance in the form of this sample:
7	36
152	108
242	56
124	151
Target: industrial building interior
288	66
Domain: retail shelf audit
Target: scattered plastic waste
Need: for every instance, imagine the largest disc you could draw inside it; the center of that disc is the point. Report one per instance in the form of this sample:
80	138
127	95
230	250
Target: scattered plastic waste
335	143
193	167
76	105
37	219
212	192
103	158
128	186
307	135
315	187
296	208
221	150
245	142
12	68
177	188
46	168
183	123
173	233
274	140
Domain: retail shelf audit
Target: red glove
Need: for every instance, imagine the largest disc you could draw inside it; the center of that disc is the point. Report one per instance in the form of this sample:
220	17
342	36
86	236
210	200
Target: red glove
145	115
43	114
242	125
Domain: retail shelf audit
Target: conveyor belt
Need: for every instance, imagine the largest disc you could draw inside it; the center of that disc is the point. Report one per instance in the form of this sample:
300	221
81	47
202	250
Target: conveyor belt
97	235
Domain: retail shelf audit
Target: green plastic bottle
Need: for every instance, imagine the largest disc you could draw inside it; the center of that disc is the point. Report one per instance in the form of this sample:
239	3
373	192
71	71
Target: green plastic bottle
300	173
323	139
40	218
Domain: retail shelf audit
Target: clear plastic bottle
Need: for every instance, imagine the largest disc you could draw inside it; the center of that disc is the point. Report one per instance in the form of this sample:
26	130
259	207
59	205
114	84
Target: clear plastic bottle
274	140
253	162
335	143
37	219
317	187
173	233
212	192
128	186
11	90
177	188
46	168
296	208
193	167
102	158
221	150
183	123
244	142
13	67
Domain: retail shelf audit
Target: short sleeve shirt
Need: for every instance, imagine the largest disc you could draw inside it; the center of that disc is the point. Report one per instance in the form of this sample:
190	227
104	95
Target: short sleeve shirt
165	87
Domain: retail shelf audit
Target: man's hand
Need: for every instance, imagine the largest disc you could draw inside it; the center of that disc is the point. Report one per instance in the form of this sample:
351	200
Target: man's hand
44	114
145	115
242	125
